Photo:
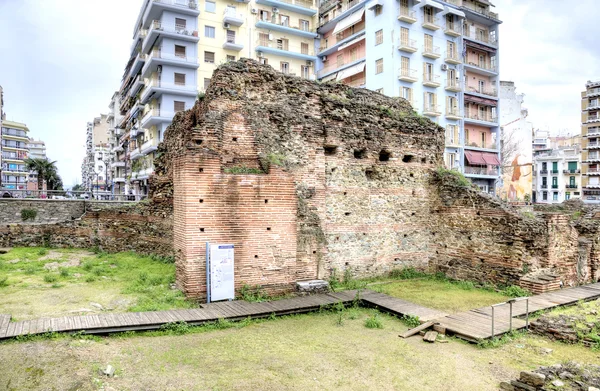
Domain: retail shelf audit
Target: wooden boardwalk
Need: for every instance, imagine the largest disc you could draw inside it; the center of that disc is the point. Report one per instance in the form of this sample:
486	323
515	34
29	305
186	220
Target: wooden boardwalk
472	325
476	325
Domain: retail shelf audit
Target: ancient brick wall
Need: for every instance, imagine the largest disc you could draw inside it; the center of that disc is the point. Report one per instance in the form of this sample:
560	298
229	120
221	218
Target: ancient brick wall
49	211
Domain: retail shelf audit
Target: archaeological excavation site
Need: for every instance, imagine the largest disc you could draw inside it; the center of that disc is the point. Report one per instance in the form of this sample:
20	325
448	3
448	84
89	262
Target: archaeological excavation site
311	179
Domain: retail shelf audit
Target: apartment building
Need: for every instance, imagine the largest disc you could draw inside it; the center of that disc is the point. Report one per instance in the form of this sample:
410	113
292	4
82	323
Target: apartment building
14	141
590	133
442	56
557	175
37	150
97	136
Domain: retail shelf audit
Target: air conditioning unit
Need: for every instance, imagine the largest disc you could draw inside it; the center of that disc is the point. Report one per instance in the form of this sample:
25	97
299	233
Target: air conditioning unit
318	36
259	54
444	67
226	25
309	63
324	58
254	11
275	10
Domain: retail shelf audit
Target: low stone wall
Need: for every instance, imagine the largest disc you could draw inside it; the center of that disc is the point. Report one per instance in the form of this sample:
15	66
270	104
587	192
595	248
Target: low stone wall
49	211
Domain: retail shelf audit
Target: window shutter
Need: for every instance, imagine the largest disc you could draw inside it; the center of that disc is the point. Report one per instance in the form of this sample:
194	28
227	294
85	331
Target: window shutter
410	95
434	101
425	103
180	79
179	51
180	23
230	36
178	106
424	69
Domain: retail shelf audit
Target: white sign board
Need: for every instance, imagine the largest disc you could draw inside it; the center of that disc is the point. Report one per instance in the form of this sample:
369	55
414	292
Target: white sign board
221	272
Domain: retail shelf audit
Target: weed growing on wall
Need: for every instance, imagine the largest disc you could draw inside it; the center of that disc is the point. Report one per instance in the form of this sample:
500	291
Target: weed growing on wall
28	214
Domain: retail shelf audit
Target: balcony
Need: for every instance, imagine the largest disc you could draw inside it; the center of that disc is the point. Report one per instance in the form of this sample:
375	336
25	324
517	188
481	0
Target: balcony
593	171
16	134
286	50
481	11
593	145
431	110
408	45
593	105
593	131
593	92
155	88
408	75
431	80
303	7
543	172
571	186
156	116
14	145
452	58
485	118
481	37
119	180
486	68
230	44
544	185
480	145
286	28
453	85
555	186
575	171
155	9
453	113
158	57
554	172
17	169
174	31
430	22
431	51
482	171
593	118
483	92
406	15
117	164
232	17
149	146
452	29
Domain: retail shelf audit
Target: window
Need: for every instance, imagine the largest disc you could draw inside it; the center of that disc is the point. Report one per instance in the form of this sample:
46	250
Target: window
554	167
544	166
284	20
282	44
179	51
406	93
230	58
178	106
263	61
378	9
209	31
544	181
378	37
481	86
230	36
284	67
210	6
449	21
404	36
572	181
430	101
379	66
483	140
304	71
572	167
451	134
567	196
180	79
263	39
304	48
554	196
180	24
354	54
206	83
405	65
209	57
554	182
545	195
428	43
451	49
452	106
304	25
264	15
340	60
428	14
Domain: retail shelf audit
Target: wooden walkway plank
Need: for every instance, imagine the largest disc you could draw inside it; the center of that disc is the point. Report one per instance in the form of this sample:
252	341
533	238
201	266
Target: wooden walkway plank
4	321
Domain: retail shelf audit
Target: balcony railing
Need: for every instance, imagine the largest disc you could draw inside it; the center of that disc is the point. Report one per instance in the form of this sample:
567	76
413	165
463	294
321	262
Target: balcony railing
13	132
357	83
488	66
177	29
452	57
431	51
162	84
484	91
489	170
453	112
481	11
482	145
180	3
593	117
430	78
592	156
575	171
407	73
430	22
231	13
171	56
481	37
307	3
593	144
593	91
553	172
429	108
544	185
554	186
14	144
17	169
407	15
453	84
452	29
307	50
543	172
408	45
481	117
342	6
572	186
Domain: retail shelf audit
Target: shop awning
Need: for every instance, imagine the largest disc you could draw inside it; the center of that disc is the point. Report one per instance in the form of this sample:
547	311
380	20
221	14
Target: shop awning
351	71
448	10
474	45
349	21
333	76
481	101
491	158
474	157
433	4
351	42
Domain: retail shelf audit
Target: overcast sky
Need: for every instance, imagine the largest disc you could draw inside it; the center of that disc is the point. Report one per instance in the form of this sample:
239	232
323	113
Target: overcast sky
61	60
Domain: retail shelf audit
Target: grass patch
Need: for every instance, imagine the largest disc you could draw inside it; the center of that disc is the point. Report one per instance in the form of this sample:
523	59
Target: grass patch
49	278
242	170
411	321
253	293
515	291
506	338
373	322
453	176
3	281
28	214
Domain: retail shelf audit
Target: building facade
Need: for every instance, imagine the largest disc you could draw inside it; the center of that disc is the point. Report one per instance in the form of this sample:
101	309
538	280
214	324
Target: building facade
14	141
590	133
37	150
442	56
516	141
557	175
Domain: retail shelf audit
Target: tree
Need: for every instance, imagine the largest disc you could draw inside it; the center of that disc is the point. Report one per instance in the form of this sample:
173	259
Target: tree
78	187
44	169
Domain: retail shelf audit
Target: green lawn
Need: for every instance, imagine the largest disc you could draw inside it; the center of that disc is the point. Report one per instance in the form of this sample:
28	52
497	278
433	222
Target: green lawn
40	282
446	296
311	352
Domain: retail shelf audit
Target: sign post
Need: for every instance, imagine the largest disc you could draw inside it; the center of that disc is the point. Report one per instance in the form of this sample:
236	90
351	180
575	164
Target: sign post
220	272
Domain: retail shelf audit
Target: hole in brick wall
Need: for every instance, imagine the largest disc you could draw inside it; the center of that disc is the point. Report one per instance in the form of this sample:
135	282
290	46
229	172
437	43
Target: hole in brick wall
347	213
478	213
234	139
333	169
345	193
256	256
369	174
384	156
201	170
314	252
469	238
198	142
201	200
405	235
407	158
337	238
266	201
360	153
437	252
412	214
414	193
330	150
347	263
412	175
201	229
268	228
423	160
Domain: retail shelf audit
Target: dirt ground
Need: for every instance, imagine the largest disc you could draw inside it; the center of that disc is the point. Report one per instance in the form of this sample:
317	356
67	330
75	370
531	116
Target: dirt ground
310	352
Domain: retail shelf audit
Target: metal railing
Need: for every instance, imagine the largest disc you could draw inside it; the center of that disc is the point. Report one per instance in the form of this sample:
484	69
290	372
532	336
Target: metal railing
485	38
430	50
488	66
575	171
484	91
572	186
453	111
231	13
408	43
481	11
481	117
430	108
482	145
543	172
489	170
180	3
431	78
453	56
287	47
169	28
172	56
452	28
407	14
544	185
409	73
594	117
510	313
101	195
430	20
301	3
453	83
13	132
14	144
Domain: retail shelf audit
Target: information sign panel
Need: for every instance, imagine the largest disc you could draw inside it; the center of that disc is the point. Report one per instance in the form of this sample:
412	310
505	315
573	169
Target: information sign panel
221	272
